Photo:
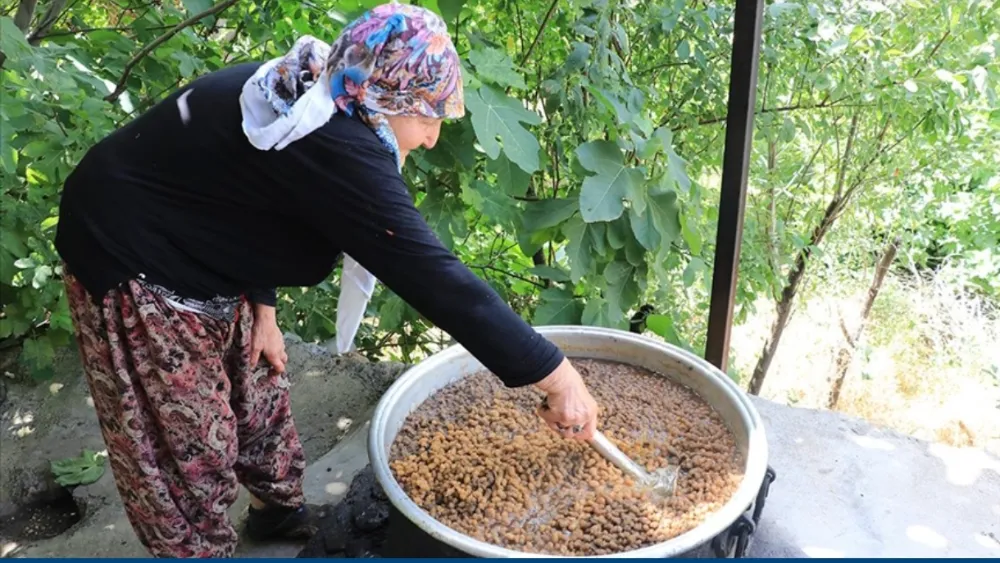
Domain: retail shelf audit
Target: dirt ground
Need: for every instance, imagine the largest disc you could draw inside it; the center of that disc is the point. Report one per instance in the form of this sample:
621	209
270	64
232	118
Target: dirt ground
54	420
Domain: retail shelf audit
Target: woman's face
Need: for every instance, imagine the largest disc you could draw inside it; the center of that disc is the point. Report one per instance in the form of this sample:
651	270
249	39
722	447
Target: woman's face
413	132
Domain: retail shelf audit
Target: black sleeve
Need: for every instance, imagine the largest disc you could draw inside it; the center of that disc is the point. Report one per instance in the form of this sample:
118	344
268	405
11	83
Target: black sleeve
367	211
267	297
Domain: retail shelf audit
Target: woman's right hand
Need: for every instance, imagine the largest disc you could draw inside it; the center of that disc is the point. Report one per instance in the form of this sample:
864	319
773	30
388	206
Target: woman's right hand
569	409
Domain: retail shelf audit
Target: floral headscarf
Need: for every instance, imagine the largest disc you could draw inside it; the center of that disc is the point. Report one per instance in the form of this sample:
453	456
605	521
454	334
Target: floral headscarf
396	59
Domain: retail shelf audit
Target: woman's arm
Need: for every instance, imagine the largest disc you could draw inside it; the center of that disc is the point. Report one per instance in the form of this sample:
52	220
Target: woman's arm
387	235
266	339
263	296
366	210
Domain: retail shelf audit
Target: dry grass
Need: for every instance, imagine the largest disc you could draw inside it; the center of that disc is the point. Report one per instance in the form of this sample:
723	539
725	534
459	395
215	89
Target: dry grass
928	364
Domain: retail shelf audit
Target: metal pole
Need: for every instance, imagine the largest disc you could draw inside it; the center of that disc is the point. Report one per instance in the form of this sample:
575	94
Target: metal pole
735	164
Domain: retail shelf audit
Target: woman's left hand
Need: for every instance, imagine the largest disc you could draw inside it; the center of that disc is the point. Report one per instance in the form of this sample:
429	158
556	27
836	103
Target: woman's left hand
266	339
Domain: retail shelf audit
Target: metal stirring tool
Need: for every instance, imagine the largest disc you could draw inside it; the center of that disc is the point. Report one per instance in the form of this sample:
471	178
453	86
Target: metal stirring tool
661	481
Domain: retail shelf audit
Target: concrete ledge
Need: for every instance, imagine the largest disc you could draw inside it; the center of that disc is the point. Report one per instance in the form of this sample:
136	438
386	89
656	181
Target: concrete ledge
848	489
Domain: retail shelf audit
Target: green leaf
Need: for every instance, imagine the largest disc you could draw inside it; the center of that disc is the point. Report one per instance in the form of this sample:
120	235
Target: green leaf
613	103
444	214
8	159
578	58
580	249
390	314
16	322
659	226
598	313
12	41
38	354
778	8
618	232
663	326
90	475
61	318
494	65
188	64
634	252
13	243
603	195
558	307
193	7
689	230
550	273
494	114
491	202
82	470
450	9
644	229
599	237
196	6
787	133
623	288
683	50
456	145
510	177
41	277
676	166
547	213
694	267
7	268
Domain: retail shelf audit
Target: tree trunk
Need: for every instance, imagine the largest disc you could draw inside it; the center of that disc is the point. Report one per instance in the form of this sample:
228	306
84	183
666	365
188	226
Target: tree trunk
25	13
846	352
784	305
46	22
783	308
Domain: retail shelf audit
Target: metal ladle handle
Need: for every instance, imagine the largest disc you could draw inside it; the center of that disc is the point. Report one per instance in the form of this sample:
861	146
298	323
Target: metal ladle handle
611	453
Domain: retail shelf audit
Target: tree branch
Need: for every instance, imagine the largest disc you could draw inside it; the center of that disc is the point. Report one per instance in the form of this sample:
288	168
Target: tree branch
511	274
520	27
120	87
938	45
845	332
846	159
825	104
881	150
85	30
232	43
541	30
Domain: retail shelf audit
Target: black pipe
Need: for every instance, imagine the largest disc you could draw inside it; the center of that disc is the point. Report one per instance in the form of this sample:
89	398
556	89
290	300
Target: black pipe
735	164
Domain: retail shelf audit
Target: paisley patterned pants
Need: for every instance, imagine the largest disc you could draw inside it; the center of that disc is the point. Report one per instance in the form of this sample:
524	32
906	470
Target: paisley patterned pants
185	419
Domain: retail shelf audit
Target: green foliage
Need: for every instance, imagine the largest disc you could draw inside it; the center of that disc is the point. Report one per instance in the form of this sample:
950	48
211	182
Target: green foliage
82	470
496	115
582	183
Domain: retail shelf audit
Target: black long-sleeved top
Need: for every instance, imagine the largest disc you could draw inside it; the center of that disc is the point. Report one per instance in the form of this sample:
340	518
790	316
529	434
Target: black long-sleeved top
197	209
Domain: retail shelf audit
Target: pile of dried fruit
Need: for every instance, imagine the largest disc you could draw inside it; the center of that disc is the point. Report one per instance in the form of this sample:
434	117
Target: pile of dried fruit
477	458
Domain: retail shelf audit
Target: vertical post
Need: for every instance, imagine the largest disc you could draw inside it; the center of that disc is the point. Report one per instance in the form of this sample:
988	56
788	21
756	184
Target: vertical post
735	165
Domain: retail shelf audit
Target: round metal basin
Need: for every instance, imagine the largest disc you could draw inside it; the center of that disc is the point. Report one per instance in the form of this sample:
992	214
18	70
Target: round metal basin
423	380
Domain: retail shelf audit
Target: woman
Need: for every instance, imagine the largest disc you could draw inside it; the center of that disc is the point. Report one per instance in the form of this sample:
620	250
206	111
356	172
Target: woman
176	229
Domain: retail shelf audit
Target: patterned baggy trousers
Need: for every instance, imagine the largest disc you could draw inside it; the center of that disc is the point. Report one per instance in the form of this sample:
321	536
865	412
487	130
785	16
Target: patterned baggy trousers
185	419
